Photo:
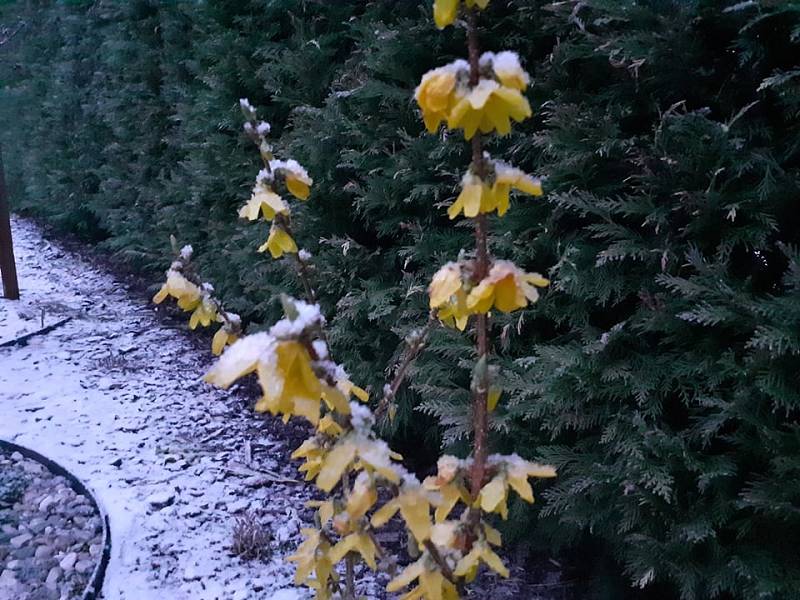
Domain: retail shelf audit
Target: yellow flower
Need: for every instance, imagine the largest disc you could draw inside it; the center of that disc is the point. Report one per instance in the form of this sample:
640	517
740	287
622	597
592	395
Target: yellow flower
506	288
221	339
414	506
362	497
278	242
508	178
313	556
203	314
356	542
512	471
448	296
296	177
314	455
475	197
445	11
437	93
489	106
446	282
289	384
449	483
506	68
432	584
184	291
467	567
240	359
265	201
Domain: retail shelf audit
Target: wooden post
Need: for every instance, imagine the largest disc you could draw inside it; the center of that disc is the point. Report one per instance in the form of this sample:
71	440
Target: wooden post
8	269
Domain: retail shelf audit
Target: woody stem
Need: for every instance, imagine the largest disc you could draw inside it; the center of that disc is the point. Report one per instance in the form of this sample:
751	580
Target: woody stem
480	392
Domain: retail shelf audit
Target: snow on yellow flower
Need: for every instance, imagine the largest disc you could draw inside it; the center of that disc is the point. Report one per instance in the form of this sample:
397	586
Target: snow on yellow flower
506	288
446	11
177	286
278	243
446	282
265	201
449	483
297	180
508	178
512	471
448	296
241	358
289	384
489	106
475	197
203	314
507	69
438	92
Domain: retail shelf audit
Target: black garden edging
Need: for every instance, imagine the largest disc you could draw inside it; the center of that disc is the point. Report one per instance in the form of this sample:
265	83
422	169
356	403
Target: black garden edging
96	582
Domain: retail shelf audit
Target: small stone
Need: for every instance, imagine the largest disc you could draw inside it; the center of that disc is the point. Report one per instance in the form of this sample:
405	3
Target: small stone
53	577
84	566
160	500
116	463
20	540
95	550
14	564
68	562
46	503
43	552
238	506
16	456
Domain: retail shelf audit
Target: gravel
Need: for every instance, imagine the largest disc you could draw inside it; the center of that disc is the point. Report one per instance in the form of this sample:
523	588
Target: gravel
50	536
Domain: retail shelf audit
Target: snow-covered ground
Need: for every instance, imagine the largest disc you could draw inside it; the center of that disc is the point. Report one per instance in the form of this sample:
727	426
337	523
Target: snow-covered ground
116	397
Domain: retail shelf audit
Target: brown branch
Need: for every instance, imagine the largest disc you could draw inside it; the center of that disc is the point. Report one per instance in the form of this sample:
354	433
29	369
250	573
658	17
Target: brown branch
414	349
480	392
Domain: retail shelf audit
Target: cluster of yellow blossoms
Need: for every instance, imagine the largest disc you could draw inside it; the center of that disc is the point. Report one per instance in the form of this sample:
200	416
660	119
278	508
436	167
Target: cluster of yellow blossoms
364	482
349	462
197	298
507	288
447	95
264	200
491	194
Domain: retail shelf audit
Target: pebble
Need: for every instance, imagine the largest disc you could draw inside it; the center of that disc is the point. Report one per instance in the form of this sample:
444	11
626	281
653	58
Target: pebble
20	540
50	531
160	500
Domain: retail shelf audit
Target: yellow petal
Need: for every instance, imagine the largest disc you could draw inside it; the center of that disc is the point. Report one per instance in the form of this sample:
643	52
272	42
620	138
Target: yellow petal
299	189
493	561
161	295
416	513
493	493
219	341
493	397
409	574
444	12
382	516
471	199
334	465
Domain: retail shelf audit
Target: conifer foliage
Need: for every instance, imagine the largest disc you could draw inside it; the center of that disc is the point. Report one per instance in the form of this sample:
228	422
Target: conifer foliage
658	372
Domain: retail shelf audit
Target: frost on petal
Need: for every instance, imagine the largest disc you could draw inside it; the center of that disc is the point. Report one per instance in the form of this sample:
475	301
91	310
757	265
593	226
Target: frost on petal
241	358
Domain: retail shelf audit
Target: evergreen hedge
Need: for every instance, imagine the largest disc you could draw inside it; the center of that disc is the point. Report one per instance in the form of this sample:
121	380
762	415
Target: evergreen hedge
660	373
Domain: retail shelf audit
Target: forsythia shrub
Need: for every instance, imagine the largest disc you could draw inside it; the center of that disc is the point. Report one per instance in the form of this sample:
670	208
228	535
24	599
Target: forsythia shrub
447	516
